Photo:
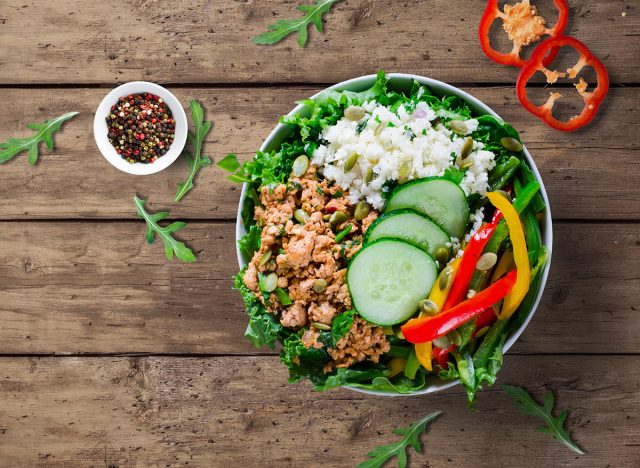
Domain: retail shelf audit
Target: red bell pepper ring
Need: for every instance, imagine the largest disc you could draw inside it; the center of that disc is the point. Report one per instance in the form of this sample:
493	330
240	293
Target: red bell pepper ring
424	329
524	26
472	253
592	99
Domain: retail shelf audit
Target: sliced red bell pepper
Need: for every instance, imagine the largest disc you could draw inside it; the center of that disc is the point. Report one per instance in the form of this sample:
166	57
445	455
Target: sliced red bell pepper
424	329
441	356
472	253
524	26
592	99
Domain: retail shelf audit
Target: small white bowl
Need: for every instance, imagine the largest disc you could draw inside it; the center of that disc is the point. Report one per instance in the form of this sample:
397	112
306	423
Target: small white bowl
404	81
100	130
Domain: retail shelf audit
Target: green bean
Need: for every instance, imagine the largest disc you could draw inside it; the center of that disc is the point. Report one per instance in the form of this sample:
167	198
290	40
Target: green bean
488	345
503	173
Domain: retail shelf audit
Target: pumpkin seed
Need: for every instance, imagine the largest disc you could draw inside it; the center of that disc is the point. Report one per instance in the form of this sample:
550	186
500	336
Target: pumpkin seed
300	165
442	255
483	331
404	170
270	282
319	285
301	216
402	181
361	211
354	112
428	307
320	326
351	161
387	330
399	334
511	144
442	342
486	261
458	126
326	217
265	258
368	177
445	278
504	194
467	147
454	337
338	217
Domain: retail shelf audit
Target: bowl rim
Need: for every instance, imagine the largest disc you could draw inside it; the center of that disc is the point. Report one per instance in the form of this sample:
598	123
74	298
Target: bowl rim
363	82
100	130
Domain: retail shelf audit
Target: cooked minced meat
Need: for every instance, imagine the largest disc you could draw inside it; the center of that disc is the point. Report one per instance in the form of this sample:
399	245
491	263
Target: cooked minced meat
310	265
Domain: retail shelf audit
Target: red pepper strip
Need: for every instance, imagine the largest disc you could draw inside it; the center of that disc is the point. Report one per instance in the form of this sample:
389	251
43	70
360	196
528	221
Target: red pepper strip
472	253
592	99
485	319
524	27
424	329
441	356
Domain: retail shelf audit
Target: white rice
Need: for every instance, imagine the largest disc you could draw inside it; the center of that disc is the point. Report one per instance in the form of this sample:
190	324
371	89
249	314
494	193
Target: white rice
390	141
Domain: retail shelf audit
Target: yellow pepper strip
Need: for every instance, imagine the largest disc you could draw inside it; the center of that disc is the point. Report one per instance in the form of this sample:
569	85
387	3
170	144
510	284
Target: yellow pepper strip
396	365
437	296
423	353
503	266
520	254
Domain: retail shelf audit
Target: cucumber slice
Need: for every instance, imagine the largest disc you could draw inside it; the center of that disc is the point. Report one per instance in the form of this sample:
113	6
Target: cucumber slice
411	226
387	278
440	199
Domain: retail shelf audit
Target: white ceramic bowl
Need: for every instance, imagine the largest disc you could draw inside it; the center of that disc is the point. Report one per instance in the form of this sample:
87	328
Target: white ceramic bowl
404	81
100	130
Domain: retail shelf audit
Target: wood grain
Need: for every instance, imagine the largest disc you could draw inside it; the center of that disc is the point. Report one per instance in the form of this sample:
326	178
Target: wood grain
590	174
85	287
218	411
195	41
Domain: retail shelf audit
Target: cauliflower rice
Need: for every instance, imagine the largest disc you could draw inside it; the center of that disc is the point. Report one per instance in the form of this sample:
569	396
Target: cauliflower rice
407	144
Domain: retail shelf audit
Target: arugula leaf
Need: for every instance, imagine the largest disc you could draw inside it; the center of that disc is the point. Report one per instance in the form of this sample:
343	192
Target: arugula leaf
555	426
282	28
196	138
411	437
171	245
14	146
229	163
263	329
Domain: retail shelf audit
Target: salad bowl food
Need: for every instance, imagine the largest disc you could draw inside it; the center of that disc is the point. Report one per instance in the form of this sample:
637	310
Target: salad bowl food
394	237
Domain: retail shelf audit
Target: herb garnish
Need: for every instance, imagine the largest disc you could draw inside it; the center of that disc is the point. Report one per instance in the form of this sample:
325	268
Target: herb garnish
14	146
380	455
195	138
171	245
555	426
282	28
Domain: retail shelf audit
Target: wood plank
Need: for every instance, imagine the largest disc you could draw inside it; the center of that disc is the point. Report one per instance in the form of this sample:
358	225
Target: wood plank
590	174
69	41
99	288
216	411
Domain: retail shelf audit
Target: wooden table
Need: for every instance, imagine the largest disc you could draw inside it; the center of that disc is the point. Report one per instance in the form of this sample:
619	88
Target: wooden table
112	355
